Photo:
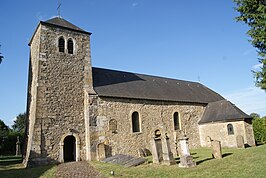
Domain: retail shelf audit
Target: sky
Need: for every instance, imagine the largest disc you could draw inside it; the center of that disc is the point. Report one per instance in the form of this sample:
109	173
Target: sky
188	40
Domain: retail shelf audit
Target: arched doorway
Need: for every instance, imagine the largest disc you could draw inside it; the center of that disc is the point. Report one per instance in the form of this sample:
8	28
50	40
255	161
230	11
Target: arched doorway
69	148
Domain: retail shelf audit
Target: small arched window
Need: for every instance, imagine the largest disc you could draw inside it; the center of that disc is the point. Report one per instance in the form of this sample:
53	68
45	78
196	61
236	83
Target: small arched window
61	44
70	46
135	122
176	121
230	129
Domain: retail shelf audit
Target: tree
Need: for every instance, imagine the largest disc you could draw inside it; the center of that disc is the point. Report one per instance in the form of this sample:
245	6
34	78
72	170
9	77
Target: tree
4	131
20	123
253	13
1	57
259	128
254	115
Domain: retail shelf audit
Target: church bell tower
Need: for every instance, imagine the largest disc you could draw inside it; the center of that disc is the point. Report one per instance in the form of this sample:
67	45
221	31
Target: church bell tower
60	78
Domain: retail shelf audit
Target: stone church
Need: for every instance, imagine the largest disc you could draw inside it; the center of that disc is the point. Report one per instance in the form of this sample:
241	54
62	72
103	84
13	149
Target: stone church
79	112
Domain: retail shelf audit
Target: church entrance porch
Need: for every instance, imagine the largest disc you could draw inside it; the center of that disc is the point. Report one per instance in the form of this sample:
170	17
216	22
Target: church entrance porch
69	149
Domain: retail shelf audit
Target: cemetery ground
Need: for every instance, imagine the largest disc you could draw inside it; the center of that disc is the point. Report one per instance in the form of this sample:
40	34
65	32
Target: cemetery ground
249	162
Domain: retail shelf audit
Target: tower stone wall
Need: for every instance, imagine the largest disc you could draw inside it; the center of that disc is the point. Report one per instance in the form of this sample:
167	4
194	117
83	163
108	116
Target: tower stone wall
59	82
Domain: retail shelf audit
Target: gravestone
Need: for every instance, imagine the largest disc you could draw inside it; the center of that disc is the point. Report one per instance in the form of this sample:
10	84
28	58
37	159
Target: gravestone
216	149
125	160
18	152
141	153
103	151
161	151
240	141
146	152
186	160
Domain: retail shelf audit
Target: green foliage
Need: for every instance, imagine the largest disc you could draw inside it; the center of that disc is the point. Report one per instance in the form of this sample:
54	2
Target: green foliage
253	13
3	126
20	123
254	115
1	56
259	128
4	131
9	144
8	137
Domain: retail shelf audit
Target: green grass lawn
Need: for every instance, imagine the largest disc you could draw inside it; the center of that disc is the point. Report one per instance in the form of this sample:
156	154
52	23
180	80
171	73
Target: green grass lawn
11	167
249	162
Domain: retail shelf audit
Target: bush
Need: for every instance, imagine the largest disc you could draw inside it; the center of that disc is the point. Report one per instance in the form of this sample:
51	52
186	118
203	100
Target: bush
259	127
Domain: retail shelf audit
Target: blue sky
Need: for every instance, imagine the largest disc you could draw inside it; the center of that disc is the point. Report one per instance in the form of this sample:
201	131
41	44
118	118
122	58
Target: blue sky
189	40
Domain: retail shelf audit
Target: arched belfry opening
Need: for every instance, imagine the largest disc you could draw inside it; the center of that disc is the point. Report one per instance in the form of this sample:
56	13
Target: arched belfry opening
70	148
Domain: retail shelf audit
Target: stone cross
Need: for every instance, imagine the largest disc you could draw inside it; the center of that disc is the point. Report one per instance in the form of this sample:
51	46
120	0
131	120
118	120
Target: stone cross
18	147
58	8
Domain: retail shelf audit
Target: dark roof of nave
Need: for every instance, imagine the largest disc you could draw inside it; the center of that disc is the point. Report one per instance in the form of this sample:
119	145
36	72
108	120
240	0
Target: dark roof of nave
111	83
222	111
60	22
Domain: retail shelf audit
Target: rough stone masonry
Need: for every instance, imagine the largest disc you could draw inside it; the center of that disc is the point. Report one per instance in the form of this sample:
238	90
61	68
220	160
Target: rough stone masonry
77	112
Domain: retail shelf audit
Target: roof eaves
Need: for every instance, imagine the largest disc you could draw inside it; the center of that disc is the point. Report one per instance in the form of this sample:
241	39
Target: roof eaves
221	121
151	99
71	29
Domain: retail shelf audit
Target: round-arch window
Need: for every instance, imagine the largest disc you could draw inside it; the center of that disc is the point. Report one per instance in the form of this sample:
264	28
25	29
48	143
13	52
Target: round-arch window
70	46
135	122
61	44
230	129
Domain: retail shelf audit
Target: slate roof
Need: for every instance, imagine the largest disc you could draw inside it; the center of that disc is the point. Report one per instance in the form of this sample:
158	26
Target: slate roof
111	83
60	22
222	111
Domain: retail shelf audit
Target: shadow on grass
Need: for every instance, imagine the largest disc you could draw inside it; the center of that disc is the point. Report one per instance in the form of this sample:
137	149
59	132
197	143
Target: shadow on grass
25	172
207	159
260	144
201	161
11	166
9	160
226	154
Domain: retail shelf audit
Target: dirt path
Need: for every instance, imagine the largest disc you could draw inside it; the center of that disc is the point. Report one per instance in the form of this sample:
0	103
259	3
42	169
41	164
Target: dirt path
80	169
